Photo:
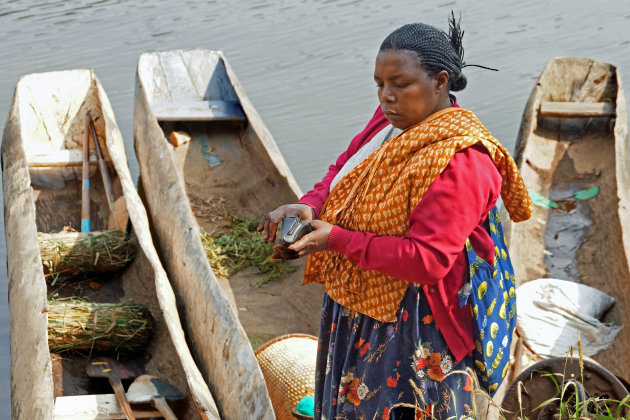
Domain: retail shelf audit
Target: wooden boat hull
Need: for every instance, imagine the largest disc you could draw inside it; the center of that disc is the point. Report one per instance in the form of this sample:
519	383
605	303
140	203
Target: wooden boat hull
233	162
586	241
48	116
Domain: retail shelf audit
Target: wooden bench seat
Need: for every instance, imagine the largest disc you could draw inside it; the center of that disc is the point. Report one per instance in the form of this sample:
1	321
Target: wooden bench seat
96	407
64	157
198	111
577	109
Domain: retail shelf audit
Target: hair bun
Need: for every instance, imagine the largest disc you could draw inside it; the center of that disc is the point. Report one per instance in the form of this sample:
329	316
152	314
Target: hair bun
458	83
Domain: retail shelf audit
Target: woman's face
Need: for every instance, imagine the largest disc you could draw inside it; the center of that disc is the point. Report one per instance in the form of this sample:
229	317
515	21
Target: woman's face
406	92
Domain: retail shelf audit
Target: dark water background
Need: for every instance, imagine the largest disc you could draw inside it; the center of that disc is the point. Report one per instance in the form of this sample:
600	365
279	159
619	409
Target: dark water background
305	64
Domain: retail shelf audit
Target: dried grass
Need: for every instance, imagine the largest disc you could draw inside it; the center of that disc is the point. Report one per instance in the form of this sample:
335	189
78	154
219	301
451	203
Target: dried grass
75	324
242	247
71	253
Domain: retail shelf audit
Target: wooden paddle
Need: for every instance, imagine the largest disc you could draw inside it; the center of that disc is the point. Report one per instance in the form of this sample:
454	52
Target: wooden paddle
85	181
150	389
105	367
107	182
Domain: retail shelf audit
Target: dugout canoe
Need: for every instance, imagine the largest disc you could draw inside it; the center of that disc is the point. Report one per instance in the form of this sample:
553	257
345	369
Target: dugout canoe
574	137
43	136
231	161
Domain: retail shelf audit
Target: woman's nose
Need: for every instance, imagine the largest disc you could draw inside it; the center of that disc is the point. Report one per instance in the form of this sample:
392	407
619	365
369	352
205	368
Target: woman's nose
387	95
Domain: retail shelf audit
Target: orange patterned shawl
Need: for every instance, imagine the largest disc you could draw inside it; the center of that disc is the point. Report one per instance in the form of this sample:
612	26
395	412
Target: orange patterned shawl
379	194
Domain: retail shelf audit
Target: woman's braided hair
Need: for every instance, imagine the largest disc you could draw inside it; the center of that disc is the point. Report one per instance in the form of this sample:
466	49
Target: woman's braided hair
435	49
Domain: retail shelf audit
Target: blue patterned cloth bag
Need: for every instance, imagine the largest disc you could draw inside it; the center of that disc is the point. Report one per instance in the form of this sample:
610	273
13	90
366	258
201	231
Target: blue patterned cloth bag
491	293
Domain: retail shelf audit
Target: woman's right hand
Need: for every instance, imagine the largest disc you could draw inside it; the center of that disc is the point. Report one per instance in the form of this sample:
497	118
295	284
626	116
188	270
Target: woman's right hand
269	223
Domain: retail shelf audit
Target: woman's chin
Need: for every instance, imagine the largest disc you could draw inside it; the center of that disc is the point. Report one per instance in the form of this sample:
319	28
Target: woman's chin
397	121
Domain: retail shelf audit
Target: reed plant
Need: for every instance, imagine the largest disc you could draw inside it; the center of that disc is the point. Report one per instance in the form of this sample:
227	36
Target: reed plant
572	401
78	325
72	253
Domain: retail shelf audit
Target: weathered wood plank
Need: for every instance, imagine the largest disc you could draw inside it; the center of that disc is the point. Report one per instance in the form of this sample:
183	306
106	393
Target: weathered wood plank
70	157
577	109
180	86
95	407
209	75
150	70
31	365
197	111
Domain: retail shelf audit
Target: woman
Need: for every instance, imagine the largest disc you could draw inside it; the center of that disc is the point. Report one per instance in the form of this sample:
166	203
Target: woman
395	223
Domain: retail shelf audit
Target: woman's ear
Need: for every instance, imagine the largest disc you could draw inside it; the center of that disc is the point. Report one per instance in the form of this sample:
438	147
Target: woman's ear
441	79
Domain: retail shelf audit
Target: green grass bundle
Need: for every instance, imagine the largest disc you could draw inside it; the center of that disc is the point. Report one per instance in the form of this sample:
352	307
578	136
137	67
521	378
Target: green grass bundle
242	247
74	324
70	253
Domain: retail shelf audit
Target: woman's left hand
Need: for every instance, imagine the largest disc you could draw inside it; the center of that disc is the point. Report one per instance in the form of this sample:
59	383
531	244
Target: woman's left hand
315	241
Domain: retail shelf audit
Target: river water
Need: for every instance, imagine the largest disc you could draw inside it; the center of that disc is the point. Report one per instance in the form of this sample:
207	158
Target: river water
306	64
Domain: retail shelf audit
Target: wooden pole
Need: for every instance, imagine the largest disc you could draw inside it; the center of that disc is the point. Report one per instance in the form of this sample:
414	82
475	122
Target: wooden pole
85	178
107	183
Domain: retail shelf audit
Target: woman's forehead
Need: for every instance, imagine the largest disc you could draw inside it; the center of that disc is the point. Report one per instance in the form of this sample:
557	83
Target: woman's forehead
391	63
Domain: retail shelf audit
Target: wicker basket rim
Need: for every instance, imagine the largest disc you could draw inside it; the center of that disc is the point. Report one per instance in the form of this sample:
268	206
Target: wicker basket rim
283	337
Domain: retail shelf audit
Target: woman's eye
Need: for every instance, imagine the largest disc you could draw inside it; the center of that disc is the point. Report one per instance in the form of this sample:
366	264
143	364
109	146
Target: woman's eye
401	85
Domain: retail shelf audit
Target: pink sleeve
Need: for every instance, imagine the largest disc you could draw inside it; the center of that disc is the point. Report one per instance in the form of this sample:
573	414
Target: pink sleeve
457	201
317	196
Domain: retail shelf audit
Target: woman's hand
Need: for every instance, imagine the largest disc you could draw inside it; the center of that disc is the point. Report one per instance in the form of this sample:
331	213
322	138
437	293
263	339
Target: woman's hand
315	241
283	253
269	223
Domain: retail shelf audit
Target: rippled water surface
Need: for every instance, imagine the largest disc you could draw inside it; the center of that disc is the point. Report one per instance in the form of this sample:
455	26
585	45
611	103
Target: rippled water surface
306	65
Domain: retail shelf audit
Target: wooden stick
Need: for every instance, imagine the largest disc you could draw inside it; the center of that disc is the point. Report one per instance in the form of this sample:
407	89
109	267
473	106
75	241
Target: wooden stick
116	384
85	184
161	405
107	183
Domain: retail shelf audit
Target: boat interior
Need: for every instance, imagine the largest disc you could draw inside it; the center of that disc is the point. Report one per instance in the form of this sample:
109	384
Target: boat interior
227	169
54	130
224	161
567	156
563	156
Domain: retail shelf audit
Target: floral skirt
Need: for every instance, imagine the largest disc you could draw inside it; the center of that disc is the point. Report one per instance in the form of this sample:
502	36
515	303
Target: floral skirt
367	369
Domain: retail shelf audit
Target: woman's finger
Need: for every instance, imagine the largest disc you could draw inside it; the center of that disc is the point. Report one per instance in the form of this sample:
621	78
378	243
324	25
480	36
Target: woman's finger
266	229
303	253
264	226
302	243
261	225
273	228
309	247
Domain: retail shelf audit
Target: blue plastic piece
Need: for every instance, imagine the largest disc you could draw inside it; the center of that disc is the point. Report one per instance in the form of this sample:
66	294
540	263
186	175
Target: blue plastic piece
586	194
306	406
542	201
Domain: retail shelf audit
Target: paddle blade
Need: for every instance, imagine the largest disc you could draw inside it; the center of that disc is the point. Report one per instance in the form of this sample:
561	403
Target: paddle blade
144	388
104	367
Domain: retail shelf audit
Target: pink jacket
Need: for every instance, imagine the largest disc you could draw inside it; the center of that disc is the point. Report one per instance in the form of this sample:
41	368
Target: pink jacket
432	254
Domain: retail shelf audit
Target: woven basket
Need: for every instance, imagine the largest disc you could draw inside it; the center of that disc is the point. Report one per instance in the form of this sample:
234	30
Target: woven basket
288	365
